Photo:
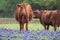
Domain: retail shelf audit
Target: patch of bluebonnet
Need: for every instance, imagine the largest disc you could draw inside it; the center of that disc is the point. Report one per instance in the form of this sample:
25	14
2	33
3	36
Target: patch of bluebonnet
30	34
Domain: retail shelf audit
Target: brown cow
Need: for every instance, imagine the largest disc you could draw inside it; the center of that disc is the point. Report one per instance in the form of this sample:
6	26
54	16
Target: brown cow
37	13
23	15
48	17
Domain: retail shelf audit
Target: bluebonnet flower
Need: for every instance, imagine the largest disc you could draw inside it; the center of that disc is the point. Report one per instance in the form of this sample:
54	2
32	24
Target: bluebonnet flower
14	36
37	38
57	36
8	39
30	34
43	39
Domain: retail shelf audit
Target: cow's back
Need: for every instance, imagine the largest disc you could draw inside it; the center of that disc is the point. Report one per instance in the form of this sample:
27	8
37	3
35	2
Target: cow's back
55	17
45	18
29	12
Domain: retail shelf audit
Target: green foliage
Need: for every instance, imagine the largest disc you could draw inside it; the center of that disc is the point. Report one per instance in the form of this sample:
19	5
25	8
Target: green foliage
7	7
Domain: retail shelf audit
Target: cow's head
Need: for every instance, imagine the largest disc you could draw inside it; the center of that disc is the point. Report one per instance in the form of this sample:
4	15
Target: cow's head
38	13
20	8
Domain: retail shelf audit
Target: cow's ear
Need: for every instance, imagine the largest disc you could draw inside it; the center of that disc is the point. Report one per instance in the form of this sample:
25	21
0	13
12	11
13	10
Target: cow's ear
18	5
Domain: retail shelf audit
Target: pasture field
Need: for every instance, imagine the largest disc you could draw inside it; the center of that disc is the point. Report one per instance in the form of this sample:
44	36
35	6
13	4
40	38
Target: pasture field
11	23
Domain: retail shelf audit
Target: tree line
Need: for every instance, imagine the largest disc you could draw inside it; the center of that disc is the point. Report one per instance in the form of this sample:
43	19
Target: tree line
7	7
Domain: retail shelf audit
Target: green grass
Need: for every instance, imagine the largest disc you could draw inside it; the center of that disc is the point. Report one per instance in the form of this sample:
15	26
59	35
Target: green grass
33	25
13	24
16	26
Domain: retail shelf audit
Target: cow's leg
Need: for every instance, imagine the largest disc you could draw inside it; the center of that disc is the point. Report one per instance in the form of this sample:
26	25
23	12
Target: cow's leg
44	27
27	25
54	24
42	22
47	27
54	28
20	26
58	25
22	23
